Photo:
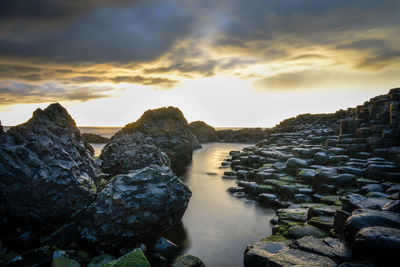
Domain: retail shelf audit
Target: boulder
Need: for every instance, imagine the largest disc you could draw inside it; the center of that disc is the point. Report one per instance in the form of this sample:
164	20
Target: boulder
379	243
279	254
204	132
169	131
328	247
299	231
130	152
95	138
132	205
187	261
46	168
368	218
352	202
134	258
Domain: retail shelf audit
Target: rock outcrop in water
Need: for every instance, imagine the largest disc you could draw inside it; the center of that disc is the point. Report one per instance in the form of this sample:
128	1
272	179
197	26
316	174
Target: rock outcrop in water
49	199
204	132
331	177
46	170
148	200
246	135
95	138
130	152
169	131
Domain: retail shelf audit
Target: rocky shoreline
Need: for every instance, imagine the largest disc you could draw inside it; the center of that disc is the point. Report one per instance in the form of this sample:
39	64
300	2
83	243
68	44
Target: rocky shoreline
334	180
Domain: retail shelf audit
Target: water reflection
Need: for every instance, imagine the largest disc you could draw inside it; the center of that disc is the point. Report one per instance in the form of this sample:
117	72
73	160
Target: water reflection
217	226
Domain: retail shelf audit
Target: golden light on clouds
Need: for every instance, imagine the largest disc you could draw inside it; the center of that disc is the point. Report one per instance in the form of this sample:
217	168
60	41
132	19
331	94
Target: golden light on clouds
229	63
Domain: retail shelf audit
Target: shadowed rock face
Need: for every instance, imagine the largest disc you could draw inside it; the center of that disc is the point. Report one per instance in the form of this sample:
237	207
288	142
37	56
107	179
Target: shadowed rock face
204	132
148	200
169	130
130	152
46	169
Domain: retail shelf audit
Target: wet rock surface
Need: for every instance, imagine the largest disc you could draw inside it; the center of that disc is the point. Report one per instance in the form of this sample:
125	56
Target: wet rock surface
131	205
333	178
46	169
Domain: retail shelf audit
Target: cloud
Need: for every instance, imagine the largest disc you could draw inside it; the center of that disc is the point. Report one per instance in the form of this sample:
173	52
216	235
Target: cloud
156	81
306	79
17	92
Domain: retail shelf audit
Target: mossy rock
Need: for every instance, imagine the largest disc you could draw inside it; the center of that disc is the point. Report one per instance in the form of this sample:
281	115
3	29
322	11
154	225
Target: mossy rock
136	258
101	260
187	261
274	238
297	214
299	231
331	200
64	262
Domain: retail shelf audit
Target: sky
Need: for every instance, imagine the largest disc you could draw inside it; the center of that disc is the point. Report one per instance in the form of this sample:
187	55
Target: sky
236	63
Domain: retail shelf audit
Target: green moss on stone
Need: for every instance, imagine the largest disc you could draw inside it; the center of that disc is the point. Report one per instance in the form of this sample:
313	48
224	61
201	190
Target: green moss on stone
274	238
136	258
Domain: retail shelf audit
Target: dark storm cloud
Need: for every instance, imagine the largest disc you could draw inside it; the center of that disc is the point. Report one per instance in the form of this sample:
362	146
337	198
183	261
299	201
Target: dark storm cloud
17	92
105	33
160	41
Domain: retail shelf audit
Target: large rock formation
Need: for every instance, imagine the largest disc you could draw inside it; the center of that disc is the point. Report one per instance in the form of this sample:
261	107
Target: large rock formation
204	132
130	152
95	138
144	201
46	170
169	130
246	135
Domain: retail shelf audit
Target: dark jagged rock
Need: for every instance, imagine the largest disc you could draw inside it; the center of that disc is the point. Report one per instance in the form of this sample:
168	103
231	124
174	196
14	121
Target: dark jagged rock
246	135
46	170
148	200
95	138
279	254
204	132
130	152
169	131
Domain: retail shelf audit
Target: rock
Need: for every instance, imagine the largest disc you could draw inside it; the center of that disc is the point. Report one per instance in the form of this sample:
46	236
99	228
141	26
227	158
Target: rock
266	198
204	132
378	243
299	231
321	211
279	254
164	247
101	260
305	176
1	129
187	261
393	205
169	131
328	247
131	152
36	257
339	221
295	214
296	163
323	222
62	237
64	262
352	202
95	138
46	170
369	218
136	258
246	135
134	204
321	158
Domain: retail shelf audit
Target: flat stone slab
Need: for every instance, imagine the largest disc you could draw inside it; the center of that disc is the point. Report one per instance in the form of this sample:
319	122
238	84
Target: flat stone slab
328	247
299	231
296	214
